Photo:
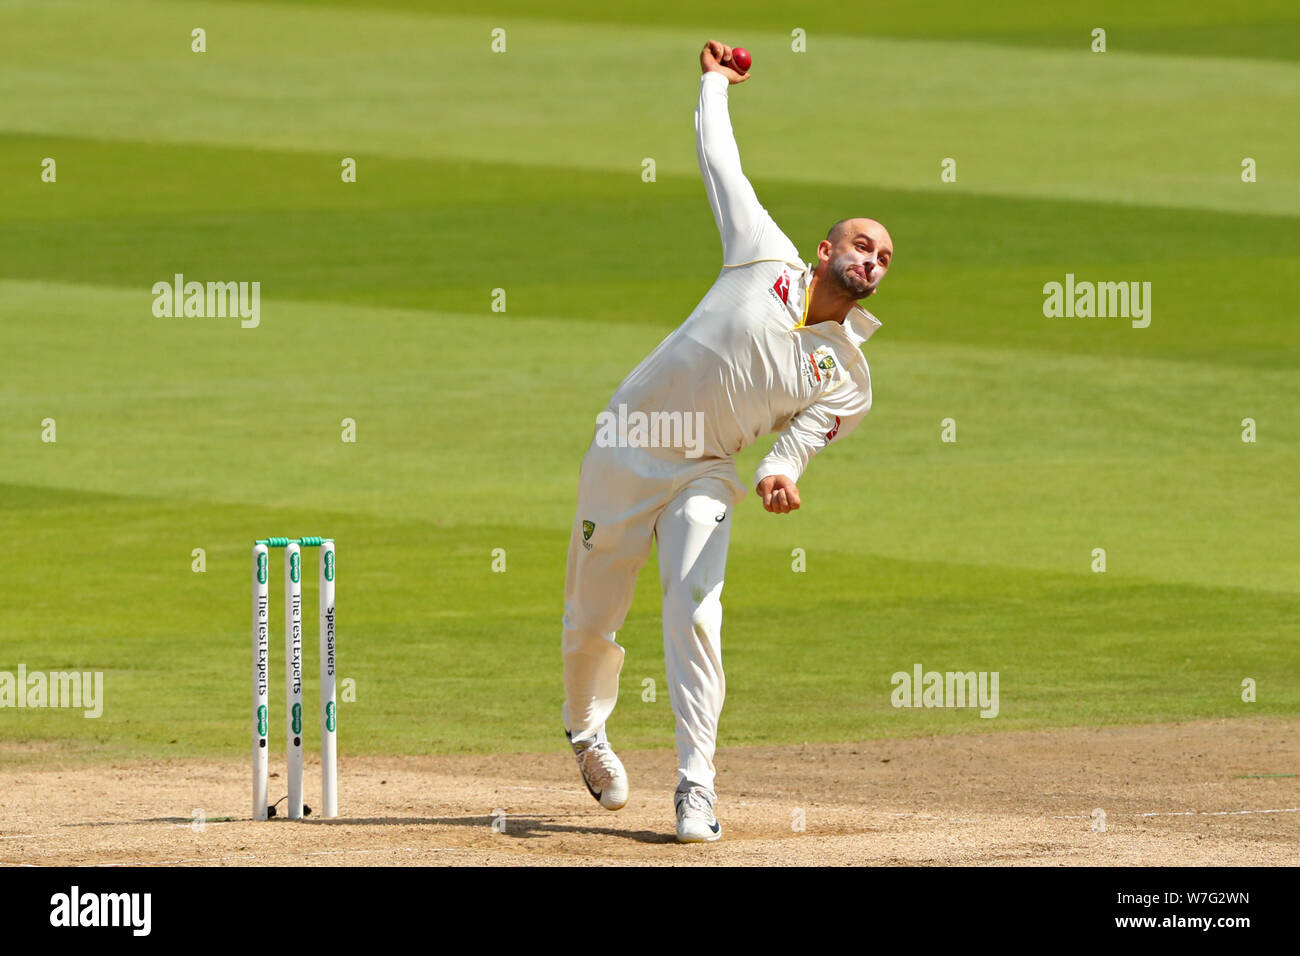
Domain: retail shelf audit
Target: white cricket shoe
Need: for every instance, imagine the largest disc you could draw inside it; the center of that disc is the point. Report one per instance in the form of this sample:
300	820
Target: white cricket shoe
695	820
602	772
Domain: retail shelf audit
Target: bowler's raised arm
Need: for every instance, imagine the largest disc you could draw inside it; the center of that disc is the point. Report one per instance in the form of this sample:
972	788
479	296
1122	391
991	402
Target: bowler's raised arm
740	218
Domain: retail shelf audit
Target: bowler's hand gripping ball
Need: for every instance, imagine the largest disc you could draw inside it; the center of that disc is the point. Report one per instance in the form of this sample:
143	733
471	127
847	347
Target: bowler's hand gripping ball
740	59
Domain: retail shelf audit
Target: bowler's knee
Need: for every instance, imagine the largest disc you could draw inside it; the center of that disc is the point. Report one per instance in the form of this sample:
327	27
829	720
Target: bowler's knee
701	605
706	620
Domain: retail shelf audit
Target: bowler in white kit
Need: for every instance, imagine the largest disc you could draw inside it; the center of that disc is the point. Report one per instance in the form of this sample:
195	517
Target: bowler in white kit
775	345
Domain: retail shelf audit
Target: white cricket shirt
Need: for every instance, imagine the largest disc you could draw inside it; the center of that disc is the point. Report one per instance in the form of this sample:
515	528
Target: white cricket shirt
744	357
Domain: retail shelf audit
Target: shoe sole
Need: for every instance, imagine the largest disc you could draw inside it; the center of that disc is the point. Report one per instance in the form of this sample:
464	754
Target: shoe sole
708	837
597	796
599	799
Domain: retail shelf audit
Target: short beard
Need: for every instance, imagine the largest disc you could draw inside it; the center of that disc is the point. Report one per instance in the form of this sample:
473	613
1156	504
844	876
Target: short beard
849	282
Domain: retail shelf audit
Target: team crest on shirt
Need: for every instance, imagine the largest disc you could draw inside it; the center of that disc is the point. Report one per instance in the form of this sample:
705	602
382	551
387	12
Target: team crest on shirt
587	528
781	287
817	365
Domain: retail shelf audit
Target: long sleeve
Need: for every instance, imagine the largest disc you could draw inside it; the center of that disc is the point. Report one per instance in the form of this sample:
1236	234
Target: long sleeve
748	232
826	420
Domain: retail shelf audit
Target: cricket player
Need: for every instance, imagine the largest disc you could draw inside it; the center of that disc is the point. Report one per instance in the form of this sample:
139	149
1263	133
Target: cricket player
775	345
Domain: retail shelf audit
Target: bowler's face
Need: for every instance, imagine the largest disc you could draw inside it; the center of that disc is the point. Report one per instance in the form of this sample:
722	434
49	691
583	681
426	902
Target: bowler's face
859	261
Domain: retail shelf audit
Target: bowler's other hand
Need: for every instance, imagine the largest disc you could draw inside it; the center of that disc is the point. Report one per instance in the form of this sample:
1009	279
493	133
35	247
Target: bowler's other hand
779	494
716	58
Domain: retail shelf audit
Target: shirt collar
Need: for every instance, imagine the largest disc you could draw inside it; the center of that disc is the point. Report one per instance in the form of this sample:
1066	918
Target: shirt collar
858	323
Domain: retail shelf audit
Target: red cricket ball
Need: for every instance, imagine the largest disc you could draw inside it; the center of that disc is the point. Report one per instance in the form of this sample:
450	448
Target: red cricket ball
740	59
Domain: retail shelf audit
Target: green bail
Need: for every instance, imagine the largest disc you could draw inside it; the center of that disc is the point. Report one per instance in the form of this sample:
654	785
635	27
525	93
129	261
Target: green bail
308	542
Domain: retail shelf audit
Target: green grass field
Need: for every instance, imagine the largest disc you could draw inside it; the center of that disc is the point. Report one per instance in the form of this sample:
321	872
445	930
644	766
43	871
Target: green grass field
522	171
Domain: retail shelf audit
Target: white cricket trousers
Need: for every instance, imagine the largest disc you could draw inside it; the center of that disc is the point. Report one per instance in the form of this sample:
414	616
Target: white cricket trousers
626	498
